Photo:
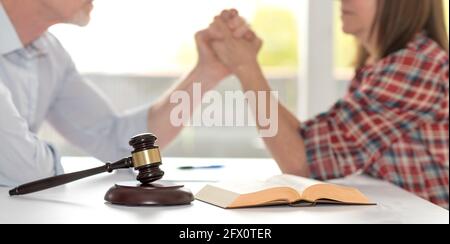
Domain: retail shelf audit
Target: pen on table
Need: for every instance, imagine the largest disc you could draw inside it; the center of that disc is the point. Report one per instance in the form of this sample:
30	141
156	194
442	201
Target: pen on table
201	167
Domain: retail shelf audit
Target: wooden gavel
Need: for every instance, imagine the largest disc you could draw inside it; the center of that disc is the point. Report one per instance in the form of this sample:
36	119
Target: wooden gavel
145	158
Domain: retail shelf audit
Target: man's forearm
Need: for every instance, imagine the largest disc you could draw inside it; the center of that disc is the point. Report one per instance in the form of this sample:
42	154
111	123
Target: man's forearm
159	114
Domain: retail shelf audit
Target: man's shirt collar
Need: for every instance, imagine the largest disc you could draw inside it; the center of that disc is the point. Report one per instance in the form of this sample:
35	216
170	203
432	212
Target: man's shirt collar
9	40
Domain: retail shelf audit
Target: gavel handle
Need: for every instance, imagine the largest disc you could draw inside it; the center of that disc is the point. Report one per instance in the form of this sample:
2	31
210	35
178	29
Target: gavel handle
67	178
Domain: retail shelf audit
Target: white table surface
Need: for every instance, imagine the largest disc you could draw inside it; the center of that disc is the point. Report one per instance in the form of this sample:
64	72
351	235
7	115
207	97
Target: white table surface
82	201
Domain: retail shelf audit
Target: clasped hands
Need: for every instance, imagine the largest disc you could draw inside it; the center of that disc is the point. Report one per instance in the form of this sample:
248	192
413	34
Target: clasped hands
228	45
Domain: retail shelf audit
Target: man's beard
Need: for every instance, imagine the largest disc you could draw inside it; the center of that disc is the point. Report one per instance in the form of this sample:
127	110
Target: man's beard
82	18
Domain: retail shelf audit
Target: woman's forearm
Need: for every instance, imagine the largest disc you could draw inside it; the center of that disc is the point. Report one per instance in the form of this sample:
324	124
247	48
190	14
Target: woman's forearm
287	146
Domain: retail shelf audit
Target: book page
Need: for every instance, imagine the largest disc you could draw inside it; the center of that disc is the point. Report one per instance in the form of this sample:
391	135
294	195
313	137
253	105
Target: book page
246	187
296	182
246	194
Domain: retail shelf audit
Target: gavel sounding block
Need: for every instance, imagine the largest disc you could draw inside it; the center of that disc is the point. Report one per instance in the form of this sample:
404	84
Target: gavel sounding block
154	194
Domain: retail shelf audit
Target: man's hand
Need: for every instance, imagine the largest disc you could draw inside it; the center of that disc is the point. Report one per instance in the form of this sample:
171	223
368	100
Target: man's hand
238	46
208	61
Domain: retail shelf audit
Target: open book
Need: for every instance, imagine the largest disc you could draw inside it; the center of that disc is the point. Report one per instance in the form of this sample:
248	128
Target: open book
282	189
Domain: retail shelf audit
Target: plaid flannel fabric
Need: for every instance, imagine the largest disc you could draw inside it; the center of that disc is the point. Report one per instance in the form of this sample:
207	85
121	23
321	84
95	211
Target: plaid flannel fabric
392	124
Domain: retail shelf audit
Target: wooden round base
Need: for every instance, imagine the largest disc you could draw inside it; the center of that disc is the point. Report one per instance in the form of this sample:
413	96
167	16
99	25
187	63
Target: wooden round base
157	193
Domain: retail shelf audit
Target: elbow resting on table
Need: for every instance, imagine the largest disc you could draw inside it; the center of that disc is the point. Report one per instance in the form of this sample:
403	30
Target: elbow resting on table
19	172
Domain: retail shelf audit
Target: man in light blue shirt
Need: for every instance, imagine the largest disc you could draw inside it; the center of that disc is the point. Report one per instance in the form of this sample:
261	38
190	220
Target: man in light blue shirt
38	82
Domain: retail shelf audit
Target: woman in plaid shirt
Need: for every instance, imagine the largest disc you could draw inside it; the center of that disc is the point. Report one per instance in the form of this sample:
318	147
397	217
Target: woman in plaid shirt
393	122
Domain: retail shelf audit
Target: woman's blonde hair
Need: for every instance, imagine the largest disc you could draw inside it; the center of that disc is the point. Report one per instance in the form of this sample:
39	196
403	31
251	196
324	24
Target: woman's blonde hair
398	21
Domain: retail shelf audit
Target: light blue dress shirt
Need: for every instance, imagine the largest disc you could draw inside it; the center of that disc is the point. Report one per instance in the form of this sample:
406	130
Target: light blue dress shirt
40	82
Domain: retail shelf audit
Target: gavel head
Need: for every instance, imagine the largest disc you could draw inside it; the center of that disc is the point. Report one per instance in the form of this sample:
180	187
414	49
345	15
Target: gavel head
146	158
